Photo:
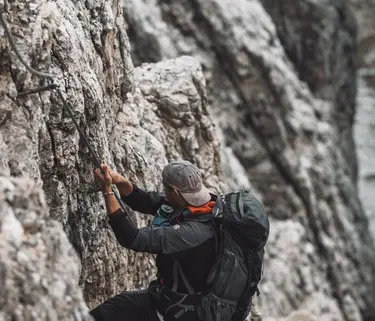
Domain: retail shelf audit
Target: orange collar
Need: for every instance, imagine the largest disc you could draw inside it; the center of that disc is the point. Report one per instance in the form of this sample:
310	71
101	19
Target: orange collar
203	209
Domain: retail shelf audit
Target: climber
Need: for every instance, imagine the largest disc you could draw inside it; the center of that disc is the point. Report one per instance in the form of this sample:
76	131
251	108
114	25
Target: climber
185	248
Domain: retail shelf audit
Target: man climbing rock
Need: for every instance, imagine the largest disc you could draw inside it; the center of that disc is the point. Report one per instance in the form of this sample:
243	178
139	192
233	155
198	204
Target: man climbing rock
209	248
185	248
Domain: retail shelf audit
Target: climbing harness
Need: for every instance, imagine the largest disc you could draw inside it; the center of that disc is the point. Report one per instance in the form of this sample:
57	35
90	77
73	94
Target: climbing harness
53	86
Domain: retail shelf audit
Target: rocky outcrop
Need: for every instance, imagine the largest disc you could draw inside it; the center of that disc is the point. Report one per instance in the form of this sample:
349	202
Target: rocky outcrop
365	117
306	30
165	116
281	94
281	82
297	316
38	263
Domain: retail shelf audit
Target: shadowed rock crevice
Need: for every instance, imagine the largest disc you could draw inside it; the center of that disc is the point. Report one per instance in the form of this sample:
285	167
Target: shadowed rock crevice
306	31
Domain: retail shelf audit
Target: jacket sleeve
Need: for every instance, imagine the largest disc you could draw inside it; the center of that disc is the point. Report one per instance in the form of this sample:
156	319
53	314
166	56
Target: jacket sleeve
159	240
144	202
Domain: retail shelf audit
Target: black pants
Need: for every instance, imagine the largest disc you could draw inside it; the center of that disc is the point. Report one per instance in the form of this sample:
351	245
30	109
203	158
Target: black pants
127	306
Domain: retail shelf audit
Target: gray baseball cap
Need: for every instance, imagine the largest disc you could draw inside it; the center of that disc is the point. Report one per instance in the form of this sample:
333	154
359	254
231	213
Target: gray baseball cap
187	179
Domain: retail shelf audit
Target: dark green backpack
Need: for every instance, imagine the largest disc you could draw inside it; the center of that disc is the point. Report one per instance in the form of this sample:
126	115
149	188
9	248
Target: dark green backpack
243	230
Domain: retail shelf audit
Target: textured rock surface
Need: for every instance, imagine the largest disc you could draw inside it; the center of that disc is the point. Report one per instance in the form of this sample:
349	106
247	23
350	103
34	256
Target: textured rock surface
37	263
282	92
365	117
164	117
297	316
281	82
364	135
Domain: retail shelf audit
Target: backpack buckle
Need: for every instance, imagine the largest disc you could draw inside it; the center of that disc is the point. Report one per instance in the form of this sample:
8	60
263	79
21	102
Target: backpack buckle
218	209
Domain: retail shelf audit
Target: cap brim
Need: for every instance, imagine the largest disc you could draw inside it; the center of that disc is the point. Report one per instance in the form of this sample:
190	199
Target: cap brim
199	198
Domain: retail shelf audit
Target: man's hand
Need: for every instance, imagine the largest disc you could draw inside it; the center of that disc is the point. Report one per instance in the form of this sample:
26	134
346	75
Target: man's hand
117	178
112	177
104	178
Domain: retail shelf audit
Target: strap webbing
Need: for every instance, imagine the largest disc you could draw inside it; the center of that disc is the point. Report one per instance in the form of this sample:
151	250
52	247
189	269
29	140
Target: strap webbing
175	276
184	279
220	247
177	270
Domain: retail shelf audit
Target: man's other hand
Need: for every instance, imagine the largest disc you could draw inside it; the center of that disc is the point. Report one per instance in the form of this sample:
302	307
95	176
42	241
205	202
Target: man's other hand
104	178
117	178
110	176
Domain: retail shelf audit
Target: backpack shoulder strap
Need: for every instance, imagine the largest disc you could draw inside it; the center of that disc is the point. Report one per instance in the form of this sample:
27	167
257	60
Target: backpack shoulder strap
175	276
177	270
217	213
219	246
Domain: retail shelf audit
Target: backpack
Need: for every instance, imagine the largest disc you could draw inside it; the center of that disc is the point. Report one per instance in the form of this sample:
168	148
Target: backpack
243	230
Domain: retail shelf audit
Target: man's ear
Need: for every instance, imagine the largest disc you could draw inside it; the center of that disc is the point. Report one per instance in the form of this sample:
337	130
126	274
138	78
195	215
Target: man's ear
176	193
180	198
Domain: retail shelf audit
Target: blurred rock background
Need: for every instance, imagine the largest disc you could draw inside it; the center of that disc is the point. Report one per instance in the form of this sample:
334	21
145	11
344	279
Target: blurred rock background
364	126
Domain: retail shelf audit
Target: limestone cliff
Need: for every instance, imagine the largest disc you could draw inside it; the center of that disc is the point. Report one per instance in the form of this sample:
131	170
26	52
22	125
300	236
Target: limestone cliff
281	82
272	81
164	117
364	132
39	267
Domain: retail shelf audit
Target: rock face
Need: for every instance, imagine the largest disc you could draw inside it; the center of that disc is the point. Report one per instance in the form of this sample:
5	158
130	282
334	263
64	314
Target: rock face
38	263
164	117
280	83
364	129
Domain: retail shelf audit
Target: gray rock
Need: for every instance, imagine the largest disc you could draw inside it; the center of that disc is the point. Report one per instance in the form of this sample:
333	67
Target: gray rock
39	269
163	117
364	131
365	117
283	92
285	131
